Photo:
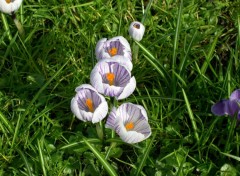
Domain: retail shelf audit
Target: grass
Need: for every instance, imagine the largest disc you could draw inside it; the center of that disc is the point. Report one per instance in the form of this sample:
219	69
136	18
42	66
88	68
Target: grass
187	61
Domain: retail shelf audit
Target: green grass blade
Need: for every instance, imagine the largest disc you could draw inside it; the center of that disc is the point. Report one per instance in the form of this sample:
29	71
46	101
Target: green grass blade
25	162
6	27
191	115
101	158
145	156
231	156
175	48
210	55
41	157
6	122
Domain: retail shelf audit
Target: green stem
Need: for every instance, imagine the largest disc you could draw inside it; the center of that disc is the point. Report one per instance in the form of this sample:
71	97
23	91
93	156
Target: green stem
18	25
99	128
6	26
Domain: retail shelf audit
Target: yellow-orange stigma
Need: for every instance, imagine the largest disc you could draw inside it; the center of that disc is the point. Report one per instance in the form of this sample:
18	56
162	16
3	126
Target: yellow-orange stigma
137	26
8	1
89	104
110	77
113	51
129	126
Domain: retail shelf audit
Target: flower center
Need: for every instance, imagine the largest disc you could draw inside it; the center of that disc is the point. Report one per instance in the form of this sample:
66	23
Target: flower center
110	77
89	104
8	1
136	25
113	51
129	126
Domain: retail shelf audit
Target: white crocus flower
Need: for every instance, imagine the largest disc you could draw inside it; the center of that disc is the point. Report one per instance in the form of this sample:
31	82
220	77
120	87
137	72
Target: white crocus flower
130	122
88	104
112	79
10	6
116	46
136	30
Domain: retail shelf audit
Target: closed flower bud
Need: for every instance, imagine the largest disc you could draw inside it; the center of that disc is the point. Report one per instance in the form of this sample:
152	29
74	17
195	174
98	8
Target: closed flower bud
136	30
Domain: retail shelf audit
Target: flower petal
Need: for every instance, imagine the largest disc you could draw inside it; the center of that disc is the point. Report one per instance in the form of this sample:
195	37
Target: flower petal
235	95
11	7
111	119
100	112
99	48
96	79
75	109
128	90
225	107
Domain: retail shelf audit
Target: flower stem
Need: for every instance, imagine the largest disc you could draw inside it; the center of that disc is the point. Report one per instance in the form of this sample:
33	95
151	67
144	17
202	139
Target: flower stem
99	128
6	27
18	25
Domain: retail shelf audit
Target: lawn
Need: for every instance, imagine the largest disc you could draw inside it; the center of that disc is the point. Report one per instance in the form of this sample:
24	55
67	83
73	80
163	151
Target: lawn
187	61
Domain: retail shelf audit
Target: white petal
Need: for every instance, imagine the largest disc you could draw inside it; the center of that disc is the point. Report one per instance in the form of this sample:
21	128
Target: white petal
143	111
85	86
111	119
123	41
130	137
96	79
100	112
128	90
112	91
10	7
135	33
99	48
75	109
87	116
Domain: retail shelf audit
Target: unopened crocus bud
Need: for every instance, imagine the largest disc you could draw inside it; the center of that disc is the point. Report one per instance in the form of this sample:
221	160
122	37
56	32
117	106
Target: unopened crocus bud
136	30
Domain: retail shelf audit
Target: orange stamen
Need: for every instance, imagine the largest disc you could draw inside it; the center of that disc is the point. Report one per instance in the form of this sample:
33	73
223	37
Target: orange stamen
110	77
8	1
89	104
129	126
113	51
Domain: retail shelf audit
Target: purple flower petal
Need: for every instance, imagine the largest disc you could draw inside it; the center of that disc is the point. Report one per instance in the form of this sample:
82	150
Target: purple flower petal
225	107
235	95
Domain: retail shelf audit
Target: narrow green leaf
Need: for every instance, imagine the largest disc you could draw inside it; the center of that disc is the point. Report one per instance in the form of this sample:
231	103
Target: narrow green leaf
175	48
191	116
41	157
25	162
231	156
101	158
6	122
145	155
210	55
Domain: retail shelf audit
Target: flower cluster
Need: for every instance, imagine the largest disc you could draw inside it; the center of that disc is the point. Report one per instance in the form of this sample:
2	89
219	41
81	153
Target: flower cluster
111	76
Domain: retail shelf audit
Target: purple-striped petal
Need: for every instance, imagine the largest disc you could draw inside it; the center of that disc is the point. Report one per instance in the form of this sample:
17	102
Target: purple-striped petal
99	48
111	119
129	89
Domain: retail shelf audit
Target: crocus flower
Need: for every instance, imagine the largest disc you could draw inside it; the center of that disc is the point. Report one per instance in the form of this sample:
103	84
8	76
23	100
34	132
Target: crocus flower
112	79
228	106
130	122
88	104
136	30
10	6
115	46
